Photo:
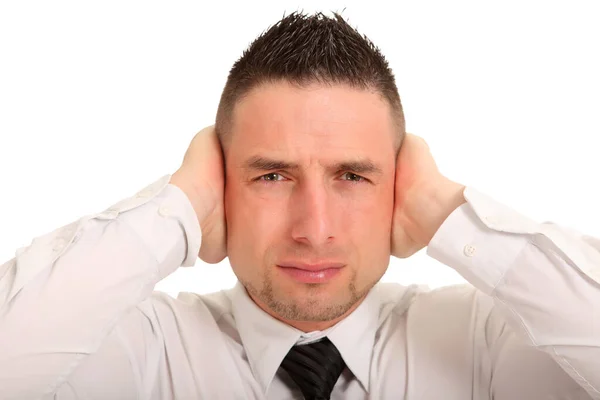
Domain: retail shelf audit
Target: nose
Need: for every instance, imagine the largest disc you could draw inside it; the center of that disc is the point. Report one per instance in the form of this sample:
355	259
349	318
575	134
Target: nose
313	213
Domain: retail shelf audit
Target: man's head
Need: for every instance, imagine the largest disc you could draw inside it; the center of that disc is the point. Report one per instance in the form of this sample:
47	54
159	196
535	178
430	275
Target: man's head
311	122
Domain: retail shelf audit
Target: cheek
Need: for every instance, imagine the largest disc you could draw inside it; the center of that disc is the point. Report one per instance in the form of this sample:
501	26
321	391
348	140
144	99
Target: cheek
370	222
253	222
372	240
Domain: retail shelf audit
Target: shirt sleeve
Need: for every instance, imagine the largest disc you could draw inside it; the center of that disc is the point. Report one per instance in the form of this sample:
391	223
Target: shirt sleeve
544	280
61	296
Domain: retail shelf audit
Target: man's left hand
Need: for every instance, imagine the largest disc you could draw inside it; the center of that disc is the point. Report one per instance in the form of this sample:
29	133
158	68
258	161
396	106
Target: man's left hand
424	198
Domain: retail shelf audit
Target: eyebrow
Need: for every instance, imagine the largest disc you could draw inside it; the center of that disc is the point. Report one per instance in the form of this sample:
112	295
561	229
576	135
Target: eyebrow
363	166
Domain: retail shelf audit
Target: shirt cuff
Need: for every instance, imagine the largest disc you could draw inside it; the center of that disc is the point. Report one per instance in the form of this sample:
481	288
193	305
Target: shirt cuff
481	239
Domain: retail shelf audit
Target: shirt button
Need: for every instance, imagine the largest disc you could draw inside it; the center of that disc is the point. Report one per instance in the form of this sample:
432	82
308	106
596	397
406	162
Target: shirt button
469	250
164	211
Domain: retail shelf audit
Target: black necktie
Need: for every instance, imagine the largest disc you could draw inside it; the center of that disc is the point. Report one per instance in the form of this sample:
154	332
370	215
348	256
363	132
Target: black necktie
315	368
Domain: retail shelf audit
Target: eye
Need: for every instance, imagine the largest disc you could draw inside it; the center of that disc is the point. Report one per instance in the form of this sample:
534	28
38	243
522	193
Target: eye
271	177
353	177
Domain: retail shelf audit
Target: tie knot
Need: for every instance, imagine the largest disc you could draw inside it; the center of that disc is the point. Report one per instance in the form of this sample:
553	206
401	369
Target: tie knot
315	368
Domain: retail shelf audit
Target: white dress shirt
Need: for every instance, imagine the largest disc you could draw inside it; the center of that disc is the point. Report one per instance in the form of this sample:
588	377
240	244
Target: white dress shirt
79	317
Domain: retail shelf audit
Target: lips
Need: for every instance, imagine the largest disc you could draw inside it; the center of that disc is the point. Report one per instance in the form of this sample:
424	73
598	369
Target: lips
313	267
321	272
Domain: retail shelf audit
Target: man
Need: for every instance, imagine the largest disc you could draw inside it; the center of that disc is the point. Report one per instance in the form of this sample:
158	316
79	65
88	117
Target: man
308	183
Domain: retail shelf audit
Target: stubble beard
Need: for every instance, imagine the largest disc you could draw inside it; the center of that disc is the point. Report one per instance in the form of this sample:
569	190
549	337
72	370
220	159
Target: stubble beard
309	310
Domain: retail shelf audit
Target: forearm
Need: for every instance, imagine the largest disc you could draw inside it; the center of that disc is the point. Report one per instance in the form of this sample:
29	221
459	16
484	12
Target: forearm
540	276
59	303
556	307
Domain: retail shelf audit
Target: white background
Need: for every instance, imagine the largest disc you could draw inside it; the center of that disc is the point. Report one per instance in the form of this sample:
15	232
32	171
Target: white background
99	99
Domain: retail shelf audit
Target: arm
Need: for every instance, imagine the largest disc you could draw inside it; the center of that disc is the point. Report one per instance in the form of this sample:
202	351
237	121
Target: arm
544	279
61	296
545	283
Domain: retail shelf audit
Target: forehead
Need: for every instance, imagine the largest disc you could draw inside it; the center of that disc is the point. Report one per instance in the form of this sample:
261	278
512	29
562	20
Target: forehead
302	121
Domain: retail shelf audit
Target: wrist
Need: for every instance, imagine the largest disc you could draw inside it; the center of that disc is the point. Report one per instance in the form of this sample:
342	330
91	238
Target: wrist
199	199
447	198
440	201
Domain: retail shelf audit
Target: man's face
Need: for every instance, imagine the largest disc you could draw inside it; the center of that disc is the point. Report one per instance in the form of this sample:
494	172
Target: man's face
309	180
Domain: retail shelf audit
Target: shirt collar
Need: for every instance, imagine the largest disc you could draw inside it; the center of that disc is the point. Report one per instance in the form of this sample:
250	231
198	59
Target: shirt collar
267	340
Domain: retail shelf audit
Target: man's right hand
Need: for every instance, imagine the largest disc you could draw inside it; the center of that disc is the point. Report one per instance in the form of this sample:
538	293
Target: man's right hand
201	178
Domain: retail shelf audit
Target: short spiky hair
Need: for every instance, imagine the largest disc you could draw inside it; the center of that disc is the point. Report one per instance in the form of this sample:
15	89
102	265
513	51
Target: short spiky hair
301	50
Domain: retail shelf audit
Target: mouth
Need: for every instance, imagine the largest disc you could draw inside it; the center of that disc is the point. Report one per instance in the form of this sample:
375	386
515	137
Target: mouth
315	273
